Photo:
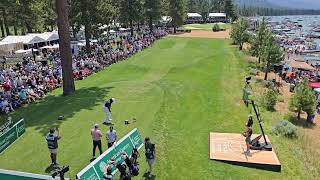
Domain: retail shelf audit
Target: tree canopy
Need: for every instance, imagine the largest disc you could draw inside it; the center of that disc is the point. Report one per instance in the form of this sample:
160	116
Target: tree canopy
303	99
239	32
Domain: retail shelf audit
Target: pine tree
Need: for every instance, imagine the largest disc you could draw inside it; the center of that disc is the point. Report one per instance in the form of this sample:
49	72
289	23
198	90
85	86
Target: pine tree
177	12
258	41
271	54
303	99
239	32
65	49
203	6
130	12
153	11
230	10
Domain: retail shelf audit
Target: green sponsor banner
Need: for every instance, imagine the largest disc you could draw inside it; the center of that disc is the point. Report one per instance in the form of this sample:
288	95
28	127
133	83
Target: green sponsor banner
96	169
16	175
11	135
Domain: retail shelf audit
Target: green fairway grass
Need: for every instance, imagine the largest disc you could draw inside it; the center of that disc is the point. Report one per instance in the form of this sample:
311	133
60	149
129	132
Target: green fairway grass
205	26
179	91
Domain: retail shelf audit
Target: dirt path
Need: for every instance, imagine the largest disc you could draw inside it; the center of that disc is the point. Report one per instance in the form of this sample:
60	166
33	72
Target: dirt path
205	34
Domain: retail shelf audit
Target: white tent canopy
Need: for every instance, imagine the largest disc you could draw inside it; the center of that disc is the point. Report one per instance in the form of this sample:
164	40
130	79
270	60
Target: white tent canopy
124	29
55	46
27	39
217	15
166	19
20	51
30	50
80	44
32	38
12	39
48	36
194	15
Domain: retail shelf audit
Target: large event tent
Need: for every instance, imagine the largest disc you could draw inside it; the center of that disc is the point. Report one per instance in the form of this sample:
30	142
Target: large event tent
217	17
194	18
12	43
49	37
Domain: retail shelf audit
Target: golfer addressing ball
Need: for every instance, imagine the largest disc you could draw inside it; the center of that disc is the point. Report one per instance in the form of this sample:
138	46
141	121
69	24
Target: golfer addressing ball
107	109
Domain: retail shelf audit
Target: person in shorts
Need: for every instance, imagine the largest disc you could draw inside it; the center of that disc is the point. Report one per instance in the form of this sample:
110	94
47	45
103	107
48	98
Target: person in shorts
52	140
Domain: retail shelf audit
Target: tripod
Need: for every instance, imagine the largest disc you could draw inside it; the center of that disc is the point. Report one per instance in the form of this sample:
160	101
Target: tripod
255	144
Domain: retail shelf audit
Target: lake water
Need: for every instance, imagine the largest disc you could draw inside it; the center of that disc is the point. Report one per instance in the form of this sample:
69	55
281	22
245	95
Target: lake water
305	21
308	22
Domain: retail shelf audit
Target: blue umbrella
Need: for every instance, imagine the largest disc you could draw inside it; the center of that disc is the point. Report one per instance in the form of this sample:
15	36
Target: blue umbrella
317	90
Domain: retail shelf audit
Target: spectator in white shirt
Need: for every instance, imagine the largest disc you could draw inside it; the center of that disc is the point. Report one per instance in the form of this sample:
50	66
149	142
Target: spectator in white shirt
111	137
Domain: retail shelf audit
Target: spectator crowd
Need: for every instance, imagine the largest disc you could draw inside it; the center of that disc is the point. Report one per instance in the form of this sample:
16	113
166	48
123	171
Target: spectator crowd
29	80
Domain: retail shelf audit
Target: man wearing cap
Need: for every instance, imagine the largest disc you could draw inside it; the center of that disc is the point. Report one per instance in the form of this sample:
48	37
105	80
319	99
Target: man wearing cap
96	139
111	137
52	140
107	109
150	153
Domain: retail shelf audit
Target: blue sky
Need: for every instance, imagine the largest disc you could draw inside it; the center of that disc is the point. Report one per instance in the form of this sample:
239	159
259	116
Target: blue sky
312	4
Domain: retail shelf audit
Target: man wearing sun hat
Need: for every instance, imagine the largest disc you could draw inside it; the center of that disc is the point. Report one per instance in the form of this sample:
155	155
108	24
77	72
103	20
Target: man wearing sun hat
107	109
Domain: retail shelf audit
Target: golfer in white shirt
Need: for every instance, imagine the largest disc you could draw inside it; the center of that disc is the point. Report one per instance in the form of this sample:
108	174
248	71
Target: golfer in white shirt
111	137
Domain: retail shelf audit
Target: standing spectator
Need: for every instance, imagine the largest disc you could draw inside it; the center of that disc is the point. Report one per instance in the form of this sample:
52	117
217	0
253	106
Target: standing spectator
150	153
52	140
96	139
111	137
107	109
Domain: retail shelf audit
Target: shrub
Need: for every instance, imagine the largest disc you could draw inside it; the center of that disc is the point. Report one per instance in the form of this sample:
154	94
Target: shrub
215	28
253	72
269	99
285	128
267	84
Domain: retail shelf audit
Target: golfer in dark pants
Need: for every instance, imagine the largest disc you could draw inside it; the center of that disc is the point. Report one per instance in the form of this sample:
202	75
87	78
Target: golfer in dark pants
96	139
52	140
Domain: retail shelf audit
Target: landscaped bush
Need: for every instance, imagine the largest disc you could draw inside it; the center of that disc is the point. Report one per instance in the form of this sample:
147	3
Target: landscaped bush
215	28
267	84
285	128
253	72
269	99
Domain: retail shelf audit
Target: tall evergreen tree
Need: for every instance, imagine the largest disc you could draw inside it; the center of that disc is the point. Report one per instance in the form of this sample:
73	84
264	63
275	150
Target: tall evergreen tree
203	6
192	6
130	12
65	50
230	10
259	40
239	32
271	54
153	11
303	99
177	12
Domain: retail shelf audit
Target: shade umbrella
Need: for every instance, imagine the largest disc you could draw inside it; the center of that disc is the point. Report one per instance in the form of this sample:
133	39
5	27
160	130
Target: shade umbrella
314	84
317	90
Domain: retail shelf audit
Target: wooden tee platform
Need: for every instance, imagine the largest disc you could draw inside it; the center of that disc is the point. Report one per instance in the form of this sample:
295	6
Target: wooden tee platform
230	148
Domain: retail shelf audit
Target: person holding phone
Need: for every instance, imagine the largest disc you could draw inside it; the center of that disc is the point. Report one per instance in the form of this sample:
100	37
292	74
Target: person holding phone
52	140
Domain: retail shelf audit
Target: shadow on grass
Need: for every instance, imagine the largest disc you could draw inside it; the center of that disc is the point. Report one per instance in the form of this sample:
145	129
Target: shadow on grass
146	176
43	115
51	168
302	122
